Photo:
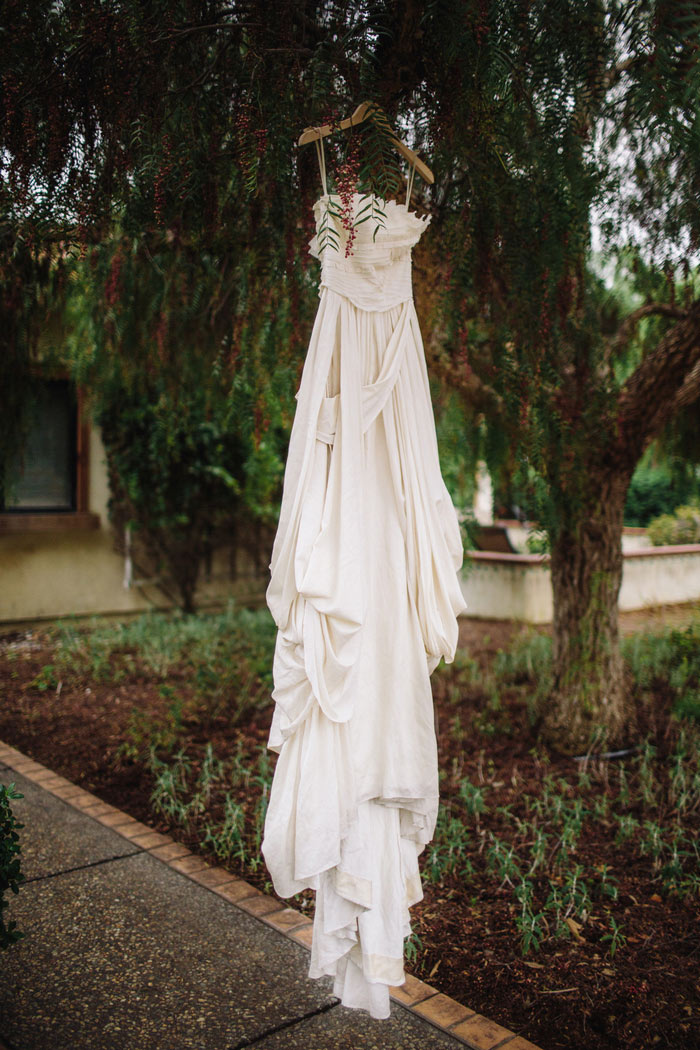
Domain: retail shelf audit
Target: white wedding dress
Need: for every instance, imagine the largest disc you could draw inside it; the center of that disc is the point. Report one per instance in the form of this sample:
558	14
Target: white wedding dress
365	593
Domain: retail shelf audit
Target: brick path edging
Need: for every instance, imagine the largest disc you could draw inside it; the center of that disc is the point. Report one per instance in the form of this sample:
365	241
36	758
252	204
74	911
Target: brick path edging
470	1027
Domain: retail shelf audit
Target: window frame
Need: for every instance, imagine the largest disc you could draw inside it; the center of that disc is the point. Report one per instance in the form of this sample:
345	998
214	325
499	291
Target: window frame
60	520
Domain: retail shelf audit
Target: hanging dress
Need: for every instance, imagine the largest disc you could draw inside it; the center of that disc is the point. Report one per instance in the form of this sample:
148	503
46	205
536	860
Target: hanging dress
365	593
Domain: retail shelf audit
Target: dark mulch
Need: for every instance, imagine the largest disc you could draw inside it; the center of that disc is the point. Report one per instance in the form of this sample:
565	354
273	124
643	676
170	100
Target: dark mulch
570	994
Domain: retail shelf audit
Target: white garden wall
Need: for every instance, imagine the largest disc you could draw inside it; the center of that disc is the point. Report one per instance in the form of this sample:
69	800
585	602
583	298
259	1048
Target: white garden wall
518	586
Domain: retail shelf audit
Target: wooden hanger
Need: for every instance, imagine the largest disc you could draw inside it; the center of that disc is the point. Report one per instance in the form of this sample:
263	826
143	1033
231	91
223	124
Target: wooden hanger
360	114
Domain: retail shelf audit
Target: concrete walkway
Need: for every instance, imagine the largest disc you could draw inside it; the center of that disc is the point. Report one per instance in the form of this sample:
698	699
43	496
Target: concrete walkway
134	943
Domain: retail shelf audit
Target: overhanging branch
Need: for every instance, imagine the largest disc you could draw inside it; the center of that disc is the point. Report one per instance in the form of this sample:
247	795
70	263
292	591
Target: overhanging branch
689	393
665	381
625	330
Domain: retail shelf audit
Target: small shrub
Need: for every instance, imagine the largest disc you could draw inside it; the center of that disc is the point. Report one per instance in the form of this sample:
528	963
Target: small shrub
10	873
673	657
654	492
538	542
683	526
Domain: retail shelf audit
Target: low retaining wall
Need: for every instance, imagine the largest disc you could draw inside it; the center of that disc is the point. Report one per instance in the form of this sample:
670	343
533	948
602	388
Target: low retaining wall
77	572
519	586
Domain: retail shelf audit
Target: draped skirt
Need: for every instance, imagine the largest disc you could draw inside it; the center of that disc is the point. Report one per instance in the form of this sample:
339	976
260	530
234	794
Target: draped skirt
365	593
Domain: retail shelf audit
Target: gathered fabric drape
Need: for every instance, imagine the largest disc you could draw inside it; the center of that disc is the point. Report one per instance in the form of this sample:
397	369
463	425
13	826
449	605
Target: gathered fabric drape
365	593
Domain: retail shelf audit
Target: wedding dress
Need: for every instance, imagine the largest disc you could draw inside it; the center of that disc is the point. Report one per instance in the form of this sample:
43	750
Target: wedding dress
365	593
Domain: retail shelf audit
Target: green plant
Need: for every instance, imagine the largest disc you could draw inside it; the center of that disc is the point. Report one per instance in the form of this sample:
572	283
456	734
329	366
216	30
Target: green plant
412	946
538	542
628	827
654	490
532	926
473	799
171	788
683	526
148	733
646	774
617	938
673	657
448	851
228	840
194	444
652	843
46	679
11	875
606	886
502	860
528	659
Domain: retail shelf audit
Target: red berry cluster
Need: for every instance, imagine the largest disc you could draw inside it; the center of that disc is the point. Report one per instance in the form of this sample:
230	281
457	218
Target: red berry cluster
242	123
10	89
112	285
245	132
346	175
260	141
463	355
261	422
346	181
482	28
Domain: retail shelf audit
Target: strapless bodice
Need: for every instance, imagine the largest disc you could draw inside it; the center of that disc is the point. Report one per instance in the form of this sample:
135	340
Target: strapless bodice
377	273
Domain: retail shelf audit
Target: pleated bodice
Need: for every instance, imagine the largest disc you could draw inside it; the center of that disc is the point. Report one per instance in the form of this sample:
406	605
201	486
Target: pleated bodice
377	273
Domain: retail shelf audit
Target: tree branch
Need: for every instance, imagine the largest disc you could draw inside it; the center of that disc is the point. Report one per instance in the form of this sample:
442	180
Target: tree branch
625	330
662	383
689	393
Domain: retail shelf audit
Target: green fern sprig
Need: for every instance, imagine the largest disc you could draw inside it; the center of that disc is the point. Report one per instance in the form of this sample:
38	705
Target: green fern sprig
327	235
380	168
379	177
372	210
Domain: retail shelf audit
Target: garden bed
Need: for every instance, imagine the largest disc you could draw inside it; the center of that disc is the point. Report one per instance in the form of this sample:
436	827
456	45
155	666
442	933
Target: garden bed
561	897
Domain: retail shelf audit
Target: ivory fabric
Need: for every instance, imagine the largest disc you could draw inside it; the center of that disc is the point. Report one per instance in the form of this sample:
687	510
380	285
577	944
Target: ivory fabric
365	593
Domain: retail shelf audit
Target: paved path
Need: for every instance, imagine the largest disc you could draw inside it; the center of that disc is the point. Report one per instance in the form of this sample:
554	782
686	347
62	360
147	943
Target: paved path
134	943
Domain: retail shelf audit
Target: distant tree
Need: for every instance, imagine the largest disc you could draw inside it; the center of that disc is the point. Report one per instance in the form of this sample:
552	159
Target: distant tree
194	440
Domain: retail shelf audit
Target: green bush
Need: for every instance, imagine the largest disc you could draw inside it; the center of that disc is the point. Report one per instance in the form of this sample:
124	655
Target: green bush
194	407
655	491
538	542
10	874
683	526
171	462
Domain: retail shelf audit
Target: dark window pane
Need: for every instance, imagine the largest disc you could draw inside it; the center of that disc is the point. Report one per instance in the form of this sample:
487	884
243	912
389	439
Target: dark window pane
43	477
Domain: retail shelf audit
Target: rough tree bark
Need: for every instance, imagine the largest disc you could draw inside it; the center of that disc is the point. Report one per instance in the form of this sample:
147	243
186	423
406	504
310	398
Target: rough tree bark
589	693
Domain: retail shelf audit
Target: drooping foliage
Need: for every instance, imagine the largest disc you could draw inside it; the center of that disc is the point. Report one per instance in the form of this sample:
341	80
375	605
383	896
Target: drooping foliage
558	120
155	143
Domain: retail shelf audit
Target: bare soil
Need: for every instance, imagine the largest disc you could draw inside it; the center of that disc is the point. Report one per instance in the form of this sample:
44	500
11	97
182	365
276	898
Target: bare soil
570	994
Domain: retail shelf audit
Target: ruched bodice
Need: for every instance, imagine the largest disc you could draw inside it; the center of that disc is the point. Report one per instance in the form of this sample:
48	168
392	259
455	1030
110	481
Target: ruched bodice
365	593
377	274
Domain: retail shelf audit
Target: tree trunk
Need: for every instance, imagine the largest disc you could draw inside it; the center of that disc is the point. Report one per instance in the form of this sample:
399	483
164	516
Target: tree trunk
589	708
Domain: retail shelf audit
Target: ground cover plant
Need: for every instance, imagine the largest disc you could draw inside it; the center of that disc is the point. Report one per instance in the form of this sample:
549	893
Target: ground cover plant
11	876
561	893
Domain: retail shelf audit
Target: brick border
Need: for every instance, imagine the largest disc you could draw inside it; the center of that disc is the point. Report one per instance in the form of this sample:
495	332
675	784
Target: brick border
466	1025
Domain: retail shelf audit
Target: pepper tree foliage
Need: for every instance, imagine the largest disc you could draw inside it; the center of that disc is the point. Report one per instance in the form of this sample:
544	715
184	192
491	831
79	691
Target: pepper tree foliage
558	116
149	149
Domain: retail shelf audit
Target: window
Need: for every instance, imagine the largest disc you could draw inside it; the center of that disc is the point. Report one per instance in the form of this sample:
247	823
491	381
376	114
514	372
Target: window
43	476
45	487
